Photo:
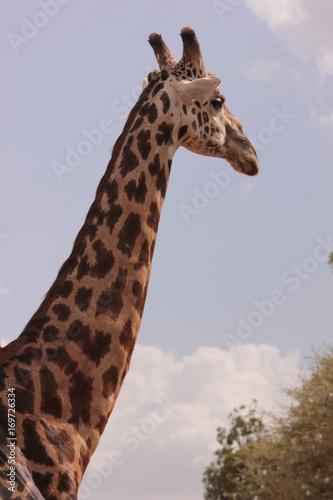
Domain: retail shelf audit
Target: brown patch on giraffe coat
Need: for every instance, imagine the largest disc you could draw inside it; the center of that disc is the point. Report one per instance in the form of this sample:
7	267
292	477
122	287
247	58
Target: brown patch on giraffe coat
33	448
182	131
91	234
153	217
83	246
166	102
28	355
143	143
50	333
64	361
42	481
83	297
62	311
77	330
113	216
110	300
111	190
80	395
128	234
119	283
51	353
95	348
65	483
104	260
158	87
135	189
50	399
82	268
137	124
150	111
143	256
66	289
110	381
158	171
126	337
137	291
164	134
61	441
152	248
129	160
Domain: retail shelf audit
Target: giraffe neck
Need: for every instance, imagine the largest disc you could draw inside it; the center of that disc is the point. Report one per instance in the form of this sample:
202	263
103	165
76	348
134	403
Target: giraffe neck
75	351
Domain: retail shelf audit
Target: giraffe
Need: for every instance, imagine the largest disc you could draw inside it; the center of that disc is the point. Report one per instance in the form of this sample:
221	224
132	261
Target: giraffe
65	371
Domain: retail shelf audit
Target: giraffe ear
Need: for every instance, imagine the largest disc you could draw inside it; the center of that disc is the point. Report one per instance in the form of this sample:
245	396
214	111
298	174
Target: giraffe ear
198	90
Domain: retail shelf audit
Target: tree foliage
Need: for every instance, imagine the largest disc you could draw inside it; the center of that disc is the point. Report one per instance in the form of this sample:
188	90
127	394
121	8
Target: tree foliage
224	477
278	457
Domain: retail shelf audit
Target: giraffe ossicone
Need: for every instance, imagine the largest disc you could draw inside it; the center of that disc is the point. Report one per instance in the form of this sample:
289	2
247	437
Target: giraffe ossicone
68	365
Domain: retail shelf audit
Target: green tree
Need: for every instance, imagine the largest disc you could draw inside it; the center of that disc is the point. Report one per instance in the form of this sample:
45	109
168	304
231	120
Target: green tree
291	456
223	478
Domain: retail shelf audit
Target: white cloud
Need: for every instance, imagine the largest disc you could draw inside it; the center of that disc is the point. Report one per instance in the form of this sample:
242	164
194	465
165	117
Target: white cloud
324	62
278	13
162	433
304	25
325	121
305	29
260	69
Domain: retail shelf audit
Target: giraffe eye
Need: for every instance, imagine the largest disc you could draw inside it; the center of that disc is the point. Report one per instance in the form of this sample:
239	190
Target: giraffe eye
217	103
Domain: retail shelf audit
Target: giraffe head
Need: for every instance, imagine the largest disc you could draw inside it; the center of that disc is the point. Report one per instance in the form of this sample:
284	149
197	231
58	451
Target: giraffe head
206	126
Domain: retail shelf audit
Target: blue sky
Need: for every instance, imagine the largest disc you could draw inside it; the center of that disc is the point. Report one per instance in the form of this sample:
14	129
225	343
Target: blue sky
246	273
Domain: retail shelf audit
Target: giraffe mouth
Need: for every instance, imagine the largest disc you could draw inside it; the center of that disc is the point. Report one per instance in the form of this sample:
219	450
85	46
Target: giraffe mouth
243	157
247	165
251	167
